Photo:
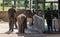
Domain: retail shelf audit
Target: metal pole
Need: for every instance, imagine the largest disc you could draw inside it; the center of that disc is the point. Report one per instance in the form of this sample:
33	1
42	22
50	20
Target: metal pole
51	6
30	4
59	13
44	8
58	8
44	13
25	4
36	6
15	3
3	5
59	4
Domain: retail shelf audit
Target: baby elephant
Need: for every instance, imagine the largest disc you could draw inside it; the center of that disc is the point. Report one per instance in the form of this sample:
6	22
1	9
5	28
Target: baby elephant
22	23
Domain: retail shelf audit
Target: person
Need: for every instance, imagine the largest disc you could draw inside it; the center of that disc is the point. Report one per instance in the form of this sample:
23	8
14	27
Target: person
22	22
49	19
12	19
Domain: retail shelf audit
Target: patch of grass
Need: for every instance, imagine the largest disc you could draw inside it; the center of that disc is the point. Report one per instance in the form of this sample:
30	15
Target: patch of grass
1	8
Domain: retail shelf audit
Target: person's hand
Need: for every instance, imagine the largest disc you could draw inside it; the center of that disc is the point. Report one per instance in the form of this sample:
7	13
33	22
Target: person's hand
15	15
52	16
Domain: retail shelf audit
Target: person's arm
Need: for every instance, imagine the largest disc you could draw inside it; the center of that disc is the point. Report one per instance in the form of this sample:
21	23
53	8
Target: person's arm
9	13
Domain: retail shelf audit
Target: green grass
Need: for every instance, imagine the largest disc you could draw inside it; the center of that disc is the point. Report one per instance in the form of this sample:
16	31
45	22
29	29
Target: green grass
1	8
5	8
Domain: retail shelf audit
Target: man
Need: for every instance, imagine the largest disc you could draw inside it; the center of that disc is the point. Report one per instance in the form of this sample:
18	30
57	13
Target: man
22	22
11	14
49	19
